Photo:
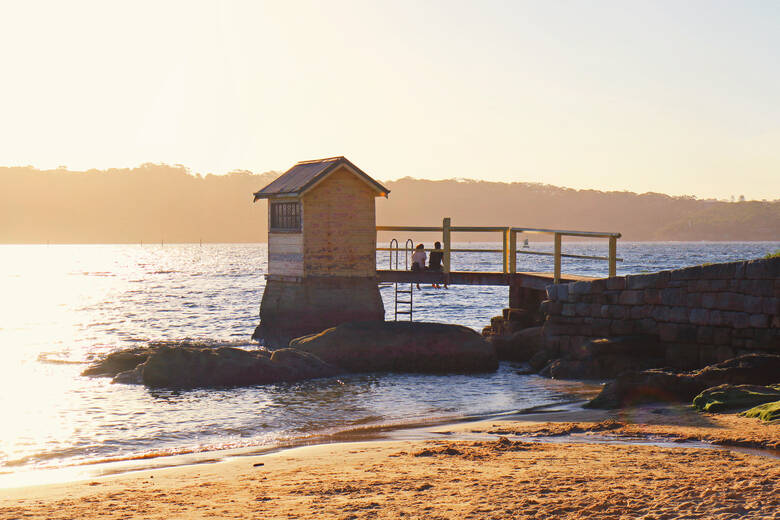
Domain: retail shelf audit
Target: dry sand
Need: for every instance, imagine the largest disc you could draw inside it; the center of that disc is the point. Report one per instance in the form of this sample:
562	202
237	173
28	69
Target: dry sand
500	476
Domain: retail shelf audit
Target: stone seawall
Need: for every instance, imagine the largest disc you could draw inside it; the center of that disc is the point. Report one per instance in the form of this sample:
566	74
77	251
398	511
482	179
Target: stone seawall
702	314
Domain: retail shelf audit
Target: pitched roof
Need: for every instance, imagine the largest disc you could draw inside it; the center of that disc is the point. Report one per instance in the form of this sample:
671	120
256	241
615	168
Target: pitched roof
305	174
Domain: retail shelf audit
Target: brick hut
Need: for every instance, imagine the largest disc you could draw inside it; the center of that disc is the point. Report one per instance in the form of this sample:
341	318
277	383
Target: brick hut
321	250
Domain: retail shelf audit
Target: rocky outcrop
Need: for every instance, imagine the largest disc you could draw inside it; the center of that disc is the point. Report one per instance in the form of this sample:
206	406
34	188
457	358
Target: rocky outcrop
351	347
665	385
227	366
731	397
606	358
401	347
518	346
194	366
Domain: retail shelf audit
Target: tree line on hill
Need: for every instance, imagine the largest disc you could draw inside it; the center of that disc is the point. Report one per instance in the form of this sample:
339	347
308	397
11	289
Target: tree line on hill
163	203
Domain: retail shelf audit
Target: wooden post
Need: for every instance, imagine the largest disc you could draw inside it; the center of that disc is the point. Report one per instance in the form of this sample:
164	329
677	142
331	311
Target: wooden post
513	252
612	256
445	240
557	257
506	250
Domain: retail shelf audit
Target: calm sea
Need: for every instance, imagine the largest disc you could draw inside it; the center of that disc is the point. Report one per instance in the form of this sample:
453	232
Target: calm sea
63	305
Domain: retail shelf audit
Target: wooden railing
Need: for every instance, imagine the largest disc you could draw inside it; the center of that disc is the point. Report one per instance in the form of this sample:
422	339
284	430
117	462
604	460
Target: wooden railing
509	250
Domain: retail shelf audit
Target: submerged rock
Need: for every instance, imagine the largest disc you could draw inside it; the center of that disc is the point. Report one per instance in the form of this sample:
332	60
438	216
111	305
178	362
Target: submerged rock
654	385
401	347
729	397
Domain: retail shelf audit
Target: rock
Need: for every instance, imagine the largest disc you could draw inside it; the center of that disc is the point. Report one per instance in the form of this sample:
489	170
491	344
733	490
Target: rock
301	365
755	369
652	385
543	357
608	357
519	346
401	347
662	385
188	367
130	377
636	347
729	397
766	412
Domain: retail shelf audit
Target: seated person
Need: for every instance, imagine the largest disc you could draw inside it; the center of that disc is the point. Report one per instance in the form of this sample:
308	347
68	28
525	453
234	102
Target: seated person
434	264
418	258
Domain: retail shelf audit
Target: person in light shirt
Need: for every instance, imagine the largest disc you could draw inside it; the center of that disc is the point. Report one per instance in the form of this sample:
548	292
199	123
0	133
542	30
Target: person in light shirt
418	259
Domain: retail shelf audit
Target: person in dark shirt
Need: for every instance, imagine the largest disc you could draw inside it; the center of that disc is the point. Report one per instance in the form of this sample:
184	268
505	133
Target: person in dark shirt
434	261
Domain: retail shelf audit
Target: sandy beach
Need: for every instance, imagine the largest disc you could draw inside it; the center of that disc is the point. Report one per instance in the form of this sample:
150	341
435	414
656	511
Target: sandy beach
550	465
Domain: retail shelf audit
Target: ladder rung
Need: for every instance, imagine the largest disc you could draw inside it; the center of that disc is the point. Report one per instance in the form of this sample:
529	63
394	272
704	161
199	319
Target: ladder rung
403	301
403	312
403	292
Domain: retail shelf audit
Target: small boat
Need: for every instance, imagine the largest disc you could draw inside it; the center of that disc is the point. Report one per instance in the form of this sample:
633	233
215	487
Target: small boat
525	243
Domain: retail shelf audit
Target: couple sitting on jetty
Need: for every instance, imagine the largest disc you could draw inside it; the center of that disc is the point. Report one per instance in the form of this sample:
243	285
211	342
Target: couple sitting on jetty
434	264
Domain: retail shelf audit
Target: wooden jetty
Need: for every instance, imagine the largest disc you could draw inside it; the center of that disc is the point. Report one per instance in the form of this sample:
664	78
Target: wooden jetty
509	253
322	246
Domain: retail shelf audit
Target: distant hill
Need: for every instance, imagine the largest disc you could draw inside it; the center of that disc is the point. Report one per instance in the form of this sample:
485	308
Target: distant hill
154	203
649	216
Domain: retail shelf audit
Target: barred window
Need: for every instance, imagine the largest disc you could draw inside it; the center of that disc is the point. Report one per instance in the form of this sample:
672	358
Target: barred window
286	216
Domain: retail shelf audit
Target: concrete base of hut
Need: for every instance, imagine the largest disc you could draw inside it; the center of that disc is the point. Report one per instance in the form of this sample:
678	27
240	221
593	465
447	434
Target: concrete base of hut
291	309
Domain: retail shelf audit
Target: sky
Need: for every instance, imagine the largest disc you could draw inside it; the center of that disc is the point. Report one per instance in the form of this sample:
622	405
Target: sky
665	96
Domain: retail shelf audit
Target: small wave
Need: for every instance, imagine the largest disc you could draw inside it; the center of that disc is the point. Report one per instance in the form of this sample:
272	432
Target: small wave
203	343
164	271
51	359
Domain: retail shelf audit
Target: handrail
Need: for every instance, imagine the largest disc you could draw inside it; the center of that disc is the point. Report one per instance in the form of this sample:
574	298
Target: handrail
509	250
499	229
538	253
596	234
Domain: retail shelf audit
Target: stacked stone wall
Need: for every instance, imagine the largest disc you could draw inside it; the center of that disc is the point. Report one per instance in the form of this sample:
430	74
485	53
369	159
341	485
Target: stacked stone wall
702	314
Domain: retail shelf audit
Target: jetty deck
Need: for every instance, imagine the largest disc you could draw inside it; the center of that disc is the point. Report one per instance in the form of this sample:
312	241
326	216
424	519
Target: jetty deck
530	280
399	272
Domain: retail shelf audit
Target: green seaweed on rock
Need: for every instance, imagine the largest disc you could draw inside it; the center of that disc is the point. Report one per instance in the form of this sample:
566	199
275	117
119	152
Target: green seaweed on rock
729	397
766	412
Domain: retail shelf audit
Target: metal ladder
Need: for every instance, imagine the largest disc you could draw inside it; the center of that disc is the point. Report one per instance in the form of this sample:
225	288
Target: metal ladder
408	248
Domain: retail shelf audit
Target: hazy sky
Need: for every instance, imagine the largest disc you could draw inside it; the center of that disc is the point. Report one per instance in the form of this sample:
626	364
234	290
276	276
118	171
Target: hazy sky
674	97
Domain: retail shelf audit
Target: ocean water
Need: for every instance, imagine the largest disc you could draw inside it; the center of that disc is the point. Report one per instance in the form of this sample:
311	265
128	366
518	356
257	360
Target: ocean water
64	305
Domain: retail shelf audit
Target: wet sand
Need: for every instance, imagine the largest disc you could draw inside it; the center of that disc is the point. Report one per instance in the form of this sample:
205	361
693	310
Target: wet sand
552	465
